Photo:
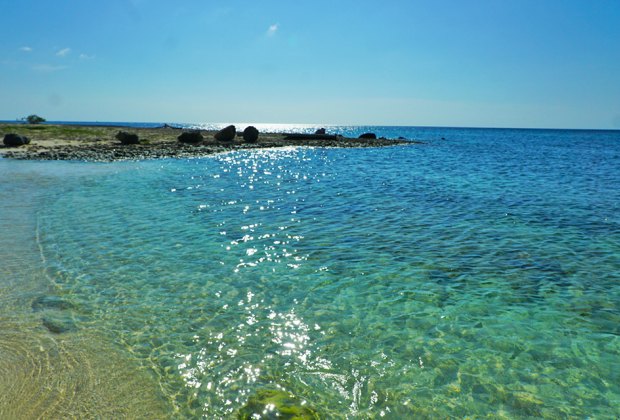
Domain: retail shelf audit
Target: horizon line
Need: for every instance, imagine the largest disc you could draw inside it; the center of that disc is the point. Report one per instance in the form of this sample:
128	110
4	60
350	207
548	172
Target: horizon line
87	122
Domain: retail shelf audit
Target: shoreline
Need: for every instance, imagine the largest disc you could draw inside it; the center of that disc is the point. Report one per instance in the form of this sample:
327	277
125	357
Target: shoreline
96	143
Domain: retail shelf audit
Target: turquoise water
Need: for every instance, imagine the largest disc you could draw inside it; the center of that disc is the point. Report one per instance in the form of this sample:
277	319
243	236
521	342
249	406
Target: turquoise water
478	275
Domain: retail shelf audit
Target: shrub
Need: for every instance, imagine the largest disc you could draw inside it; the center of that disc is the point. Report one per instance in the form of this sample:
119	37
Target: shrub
34	119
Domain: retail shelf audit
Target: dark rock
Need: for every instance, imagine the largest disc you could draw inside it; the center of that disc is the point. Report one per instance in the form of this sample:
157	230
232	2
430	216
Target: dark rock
402	138
368	136
250	134
15	140
320	131
50	302
127	138
59	323
226	134
280	404
193	136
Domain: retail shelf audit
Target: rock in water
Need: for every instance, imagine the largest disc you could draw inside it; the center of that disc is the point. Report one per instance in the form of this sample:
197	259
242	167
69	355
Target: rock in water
59	323
226	134
278	404
193	136
46	302
14	140
320	131
127	138
250	134
368	136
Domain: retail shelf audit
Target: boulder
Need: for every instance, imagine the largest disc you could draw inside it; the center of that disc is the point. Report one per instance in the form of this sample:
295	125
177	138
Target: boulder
368	136
250	134
226	134
14	140
127	138
320	131
193	136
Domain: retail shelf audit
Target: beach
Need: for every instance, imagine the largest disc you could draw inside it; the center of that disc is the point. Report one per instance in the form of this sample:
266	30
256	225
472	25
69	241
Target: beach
99	144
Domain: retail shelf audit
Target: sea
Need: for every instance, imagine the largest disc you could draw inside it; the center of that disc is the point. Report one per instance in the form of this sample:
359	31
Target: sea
474	273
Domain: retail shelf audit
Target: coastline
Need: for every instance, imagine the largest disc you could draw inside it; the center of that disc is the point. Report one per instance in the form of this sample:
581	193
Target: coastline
96	143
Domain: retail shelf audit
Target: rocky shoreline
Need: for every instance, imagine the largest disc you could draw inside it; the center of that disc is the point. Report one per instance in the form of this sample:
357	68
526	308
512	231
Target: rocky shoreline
102	144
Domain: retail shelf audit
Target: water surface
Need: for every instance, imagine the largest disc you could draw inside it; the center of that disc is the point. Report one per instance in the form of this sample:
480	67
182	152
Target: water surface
471	276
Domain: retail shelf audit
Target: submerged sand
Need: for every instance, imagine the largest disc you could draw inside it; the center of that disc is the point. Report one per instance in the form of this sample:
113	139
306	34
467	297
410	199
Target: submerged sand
98	143
44	373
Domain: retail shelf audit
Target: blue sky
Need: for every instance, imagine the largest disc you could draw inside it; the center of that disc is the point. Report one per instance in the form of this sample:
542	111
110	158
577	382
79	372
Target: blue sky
489	63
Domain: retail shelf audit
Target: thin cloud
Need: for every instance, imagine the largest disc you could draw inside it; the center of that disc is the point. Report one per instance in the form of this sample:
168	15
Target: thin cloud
48	68
26	49
273	29
64	52
86	57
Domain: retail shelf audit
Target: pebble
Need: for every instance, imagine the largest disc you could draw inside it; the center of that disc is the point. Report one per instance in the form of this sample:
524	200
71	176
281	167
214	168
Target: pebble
110	153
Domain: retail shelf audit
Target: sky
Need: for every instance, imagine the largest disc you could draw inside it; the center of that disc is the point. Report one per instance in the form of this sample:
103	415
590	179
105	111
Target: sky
476	63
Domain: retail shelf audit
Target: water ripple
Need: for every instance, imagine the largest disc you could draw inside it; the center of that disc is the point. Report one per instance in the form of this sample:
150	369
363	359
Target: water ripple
473	276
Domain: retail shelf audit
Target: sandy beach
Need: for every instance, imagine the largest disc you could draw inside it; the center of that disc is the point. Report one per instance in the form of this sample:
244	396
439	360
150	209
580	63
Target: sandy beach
99	144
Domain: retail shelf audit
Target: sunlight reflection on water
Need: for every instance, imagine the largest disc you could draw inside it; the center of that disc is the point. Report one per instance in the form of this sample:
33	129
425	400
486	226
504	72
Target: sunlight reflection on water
264	338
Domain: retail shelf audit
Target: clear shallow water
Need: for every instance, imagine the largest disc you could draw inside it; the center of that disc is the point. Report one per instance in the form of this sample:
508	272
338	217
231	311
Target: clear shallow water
476	275
79	373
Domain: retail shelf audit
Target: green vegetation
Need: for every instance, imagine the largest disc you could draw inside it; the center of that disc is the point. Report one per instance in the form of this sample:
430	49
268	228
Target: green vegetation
269	403
55	131
34	119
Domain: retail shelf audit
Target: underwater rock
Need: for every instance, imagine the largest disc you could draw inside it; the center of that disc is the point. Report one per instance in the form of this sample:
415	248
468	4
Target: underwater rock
193	136
226	134
57	315
127	138
272	404
58	323
250	134
50	302
14	140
